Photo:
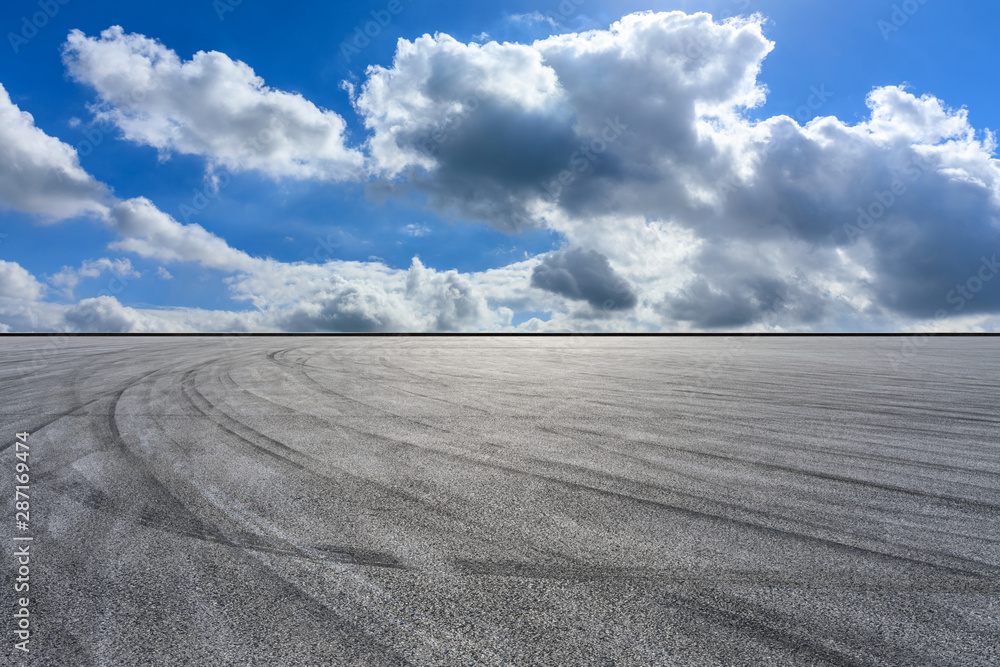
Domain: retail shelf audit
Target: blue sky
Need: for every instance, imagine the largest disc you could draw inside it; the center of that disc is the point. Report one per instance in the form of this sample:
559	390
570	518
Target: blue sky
740	155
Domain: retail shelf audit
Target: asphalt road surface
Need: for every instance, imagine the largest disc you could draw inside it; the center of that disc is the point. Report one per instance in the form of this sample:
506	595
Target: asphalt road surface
504	501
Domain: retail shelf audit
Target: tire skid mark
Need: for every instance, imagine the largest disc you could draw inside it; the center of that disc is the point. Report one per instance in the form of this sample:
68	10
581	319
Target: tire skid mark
302	369
670	507
691	513
317	465
701	431
284	453
326	390
771	514
259	543
801	581
853	454
982	504
434	507
878	427
96	500
365	592
302	372
760	626
828	451
718	518
442	400
740	508
789	469
464	458
853	409
110	393
978	565
248	519
148	478
156	491
924	410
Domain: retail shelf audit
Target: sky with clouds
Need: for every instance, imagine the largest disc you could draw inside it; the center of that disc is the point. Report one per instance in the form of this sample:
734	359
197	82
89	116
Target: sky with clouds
583	165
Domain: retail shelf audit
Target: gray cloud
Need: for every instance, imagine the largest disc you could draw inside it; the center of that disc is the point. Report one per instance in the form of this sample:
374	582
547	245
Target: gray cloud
104	314
735	301
681	85
584	275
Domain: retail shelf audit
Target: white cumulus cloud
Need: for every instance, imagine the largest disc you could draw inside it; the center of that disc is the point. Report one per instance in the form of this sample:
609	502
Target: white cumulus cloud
40	174
212	106
68	278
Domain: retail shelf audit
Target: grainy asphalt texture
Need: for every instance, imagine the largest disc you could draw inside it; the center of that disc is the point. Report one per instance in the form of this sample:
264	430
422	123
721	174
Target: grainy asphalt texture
519	501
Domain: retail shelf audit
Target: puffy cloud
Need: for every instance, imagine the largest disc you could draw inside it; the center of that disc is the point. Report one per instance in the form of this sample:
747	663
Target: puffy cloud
104	314
69	277
495	130
414	229
336	296
17	284
450	297
366	297
737	301
479	127
39	174
532	18
911	198
780	222
149	232
21	305
584	275
210	105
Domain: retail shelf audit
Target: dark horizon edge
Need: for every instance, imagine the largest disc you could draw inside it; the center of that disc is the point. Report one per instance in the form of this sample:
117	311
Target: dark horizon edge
507	334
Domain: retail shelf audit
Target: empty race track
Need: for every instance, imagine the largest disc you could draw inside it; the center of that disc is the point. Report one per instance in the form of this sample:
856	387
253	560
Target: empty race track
478	500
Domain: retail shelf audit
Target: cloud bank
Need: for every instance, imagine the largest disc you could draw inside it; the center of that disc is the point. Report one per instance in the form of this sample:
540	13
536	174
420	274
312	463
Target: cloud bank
677	209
